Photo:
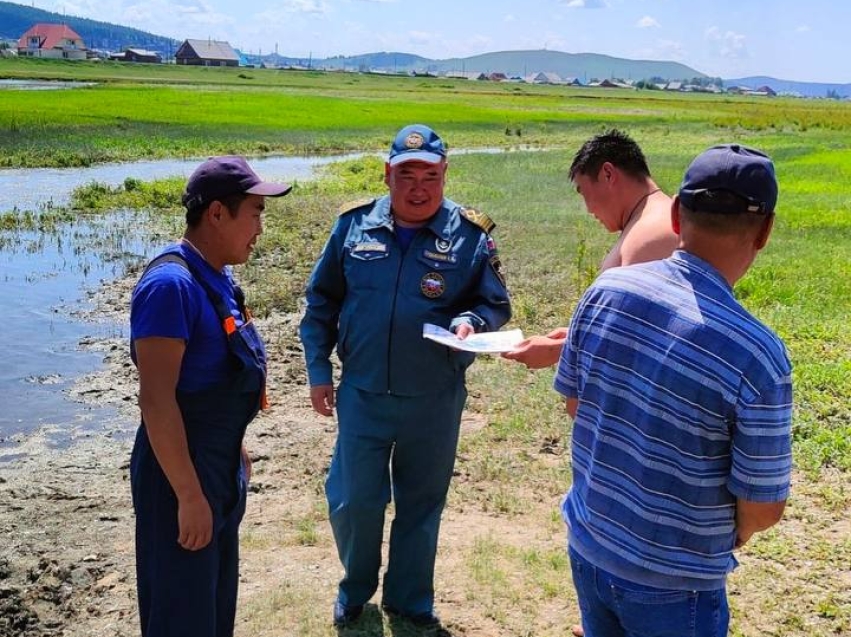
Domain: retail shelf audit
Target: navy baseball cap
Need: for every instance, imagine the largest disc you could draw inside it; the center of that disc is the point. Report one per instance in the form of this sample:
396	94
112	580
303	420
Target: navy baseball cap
730	168
220	177
417	143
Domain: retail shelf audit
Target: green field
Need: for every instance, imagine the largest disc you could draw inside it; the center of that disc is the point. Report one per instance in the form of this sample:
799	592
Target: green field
800	285
146	111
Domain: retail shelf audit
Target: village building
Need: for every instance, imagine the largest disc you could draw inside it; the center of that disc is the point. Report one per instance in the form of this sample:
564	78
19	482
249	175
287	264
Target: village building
206	53
543	78
137	55
57	41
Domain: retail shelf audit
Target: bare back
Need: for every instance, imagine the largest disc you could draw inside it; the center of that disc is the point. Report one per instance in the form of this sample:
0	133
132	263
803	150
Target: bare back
647	237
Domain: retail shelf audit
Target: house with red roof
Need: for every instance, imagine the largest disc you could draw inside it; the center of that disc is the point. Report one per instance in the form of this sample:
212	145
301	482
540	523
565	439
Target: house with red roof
57	41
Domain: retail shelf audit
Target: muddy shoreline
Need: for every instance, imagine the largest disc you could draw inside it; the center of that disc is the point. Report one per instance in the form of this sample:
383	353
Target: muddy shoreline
66	522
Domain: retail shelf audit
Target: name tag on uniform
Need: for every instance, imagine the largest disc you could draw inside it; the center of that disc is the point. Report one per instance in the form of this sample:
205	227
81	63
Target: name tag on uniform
437	256
370	246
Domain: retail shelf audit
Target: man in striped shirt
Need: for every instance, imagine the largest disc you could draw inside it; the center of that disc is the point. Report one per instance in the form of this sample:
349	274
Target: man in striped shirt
681	402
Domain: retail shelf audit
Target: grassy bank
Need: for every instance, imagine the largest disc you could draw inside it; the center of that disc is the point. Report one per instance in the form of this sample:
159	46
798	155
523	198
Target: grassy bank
513	467
149	111
516	466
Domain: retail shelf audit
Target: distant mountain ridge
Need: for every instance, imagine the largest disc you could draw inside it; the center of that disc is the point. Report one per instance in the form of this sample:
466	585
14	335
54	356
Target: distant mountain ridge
806	89
16	19
583	66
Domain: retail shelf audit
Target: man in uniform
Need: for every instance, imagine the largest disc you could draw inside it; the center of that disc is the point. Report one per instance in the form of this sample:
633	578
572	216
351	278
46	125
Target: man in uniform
391	265
202	376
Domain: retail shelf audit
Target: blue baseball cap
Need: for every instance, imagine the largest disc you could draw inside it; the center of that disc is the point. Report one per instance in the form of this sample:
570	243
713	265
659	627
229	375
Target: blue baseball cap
223	176
730	168
417	143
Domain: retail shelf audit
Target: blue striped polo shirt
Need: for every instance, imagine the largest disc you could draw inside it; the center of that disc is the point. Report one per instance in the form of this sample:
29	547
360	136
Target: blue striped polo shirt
685	404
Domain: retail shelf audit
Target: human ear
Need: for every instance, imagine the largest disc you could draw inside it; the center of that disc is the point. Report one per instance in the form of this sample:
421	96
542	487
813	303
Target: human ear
764	232
675	215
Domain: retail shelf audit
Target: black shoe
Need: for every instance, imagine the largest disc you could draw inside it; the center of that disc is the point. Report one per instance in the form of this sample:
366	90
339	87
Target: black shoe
422	620
346	614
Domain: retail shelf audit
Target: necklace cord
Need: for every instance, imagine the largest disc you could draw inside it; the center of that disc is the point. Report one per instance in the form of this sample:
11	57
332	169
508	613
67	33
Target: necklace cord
637	204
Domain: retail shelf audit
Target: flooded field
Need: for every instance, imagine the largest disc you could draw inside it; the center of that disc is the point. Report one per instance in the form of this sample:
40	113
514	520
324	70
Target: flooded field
33	189
47	276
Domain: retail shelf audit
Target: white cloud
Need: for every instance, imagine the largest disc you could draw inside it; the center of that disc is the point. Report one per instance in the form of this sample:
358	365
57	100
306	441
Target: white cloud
727	44
421	37
804	28
509	18
305	6
586	4
647	23
662	50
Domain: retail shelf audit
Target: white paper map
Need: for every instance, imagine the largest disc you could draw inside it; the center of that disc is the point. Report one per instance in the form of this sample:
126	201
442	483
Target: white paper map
483	342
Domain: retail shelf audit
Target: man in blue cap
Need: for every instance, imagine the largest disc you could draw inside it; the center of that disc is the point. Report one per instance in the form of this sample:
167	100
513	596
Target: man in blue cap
681	402
202	379
389	266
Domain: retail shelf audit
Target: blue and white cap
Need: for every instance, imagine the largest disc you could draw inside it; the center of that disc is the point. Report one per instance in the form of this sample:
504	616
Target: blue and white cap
417	143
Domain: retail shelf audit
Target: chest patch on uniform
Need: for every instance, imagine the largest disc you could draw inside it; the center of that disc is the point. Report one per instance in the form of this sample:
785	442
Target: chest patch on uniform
442	245
433	285
370	246
444	258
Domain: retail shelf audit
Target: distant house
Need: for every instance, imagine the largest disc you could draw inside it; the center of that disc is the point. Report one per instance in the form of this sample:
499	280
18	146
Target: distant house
767	91
543	78
52	41
497	77
206	53
137	55
610	84
465	75
572	81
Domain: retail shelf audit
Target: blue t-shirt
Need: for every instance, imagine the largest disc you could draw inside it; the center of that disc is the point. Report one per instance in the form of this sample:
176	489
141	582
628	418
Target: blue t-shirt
168	302
684	406
405	235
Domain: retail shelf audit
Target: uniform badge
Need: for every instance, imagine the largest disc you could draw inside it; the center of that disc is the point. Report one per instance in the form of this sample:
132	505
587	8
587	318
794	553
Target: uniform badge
493	259
414	140
443	245
370	246
433	285
496	265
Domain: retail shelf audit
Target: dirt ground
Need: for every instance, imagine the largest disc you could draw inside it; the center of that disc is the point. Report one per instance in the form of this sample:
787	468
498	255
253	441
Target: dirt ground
66	522
66	532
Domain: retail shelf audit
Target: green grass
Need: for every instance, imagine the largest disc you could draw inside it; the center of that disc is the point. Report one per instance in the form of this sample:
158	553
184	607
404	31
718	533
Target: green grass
514	467
150	111
800	285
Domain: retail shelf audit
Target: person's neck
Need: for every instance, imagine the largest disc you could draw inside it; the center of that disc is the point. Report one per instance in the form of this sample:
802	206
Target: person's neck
409	224
204	248
639	197
729	258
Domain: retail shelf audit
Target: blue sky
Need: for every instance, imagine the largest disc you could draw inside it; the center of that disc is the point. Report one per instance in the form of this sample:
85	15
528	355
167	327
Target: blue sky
806	40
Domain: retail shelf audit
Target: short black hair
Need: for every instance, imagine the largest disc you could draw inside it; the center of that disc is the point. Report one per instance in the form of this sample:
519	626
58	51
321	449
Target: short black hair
615	147
231	202
716	220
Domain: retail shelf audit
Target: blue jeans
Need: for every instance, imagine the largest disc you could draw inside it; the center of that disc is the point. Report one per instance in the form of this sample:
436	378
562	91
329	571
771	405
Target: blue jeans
615	607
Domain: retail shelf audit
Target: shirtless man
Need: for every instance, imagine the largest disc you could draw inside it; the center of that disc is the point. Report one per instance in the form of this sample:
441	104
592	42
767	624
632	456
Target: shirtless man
611	174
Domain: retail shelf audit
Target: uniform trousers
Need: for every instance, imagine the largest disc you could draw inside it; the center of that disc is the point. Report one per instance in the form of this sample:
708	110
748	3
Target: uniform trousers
392	446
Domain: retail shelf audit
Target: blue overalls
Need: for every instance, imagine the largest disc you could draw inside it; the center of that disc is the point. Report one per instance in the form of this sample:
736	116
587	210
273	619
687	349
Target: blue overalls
400	398
193	593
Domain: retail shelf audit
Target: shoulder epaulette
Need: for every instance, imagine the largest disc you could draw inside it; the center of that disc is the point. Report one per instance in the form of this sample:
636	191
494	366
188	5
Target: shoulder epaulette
478	218
353	205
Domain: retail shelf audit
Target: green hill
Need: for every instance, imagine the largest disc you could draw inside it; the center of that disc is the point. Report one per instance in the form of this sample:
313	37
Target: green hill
16	19
584	66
